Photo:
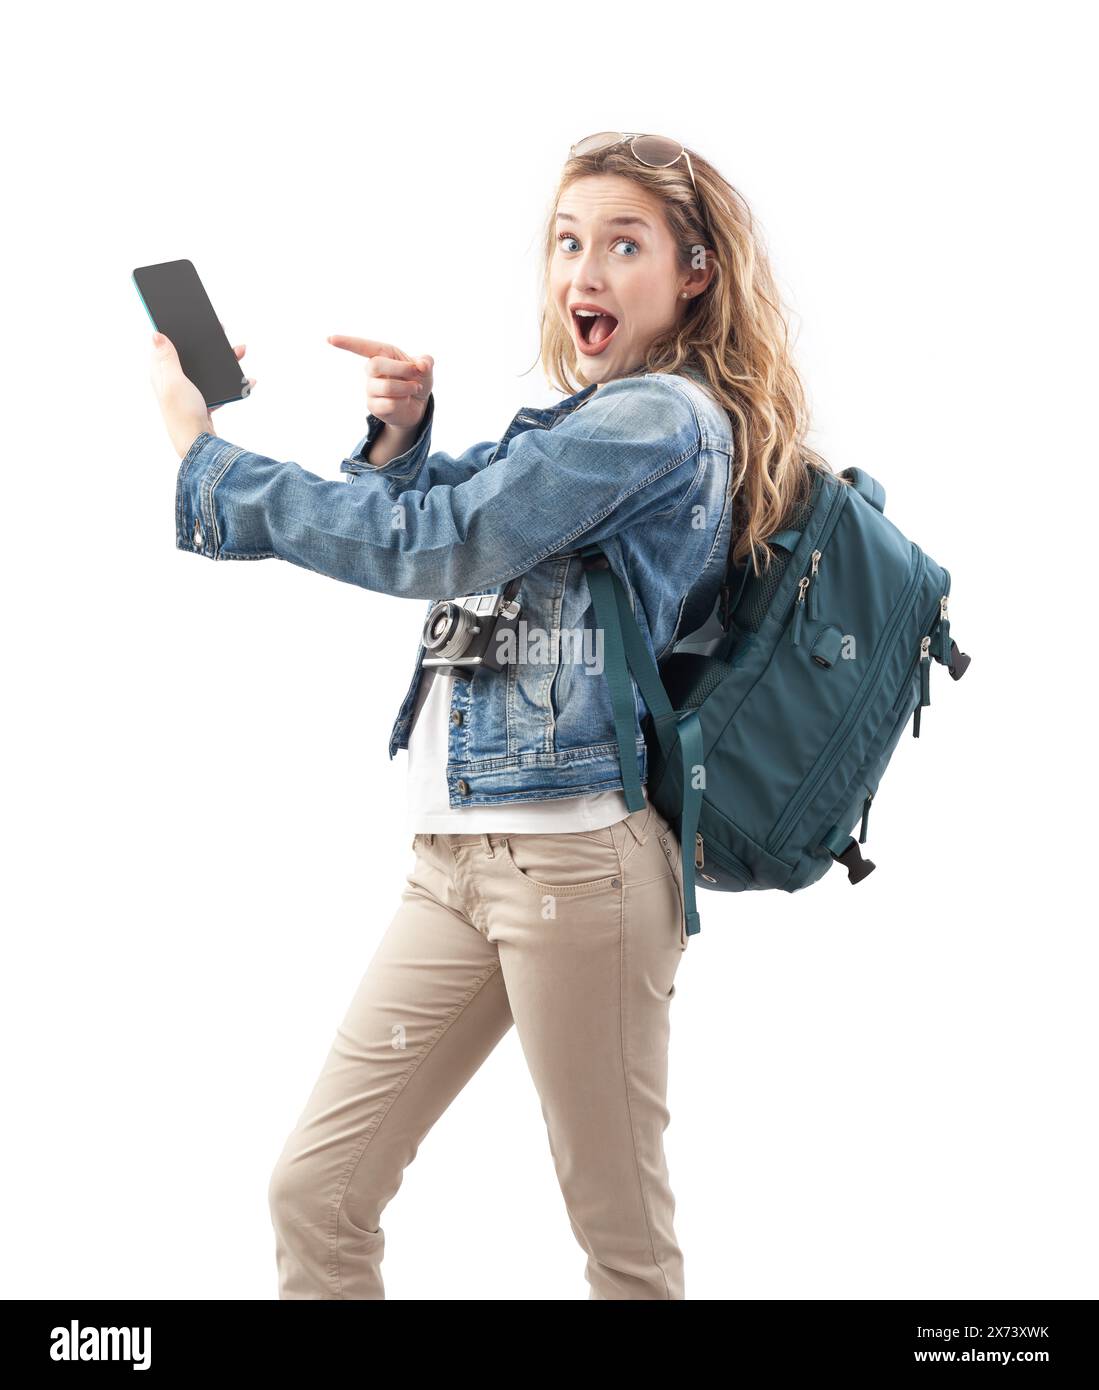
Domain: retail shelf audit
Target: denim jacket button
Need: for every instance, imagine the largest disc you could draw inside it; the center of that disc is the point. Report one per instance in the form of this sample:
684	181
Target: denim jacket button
456	716
197	538
463	786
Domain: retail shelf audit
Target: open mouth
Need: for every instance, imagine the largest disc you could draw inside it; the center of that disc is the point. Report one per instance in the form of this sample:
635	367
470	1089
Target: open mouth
593	331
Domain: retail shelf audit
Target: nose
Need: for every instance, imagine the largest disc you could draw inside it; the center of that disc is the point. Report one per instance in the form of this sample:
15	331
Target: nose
587	274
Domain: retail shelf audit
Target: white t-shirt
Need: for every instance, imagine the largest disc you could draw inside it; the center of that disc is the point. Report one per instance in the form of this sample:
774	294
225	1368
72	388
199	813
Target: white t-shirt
428	806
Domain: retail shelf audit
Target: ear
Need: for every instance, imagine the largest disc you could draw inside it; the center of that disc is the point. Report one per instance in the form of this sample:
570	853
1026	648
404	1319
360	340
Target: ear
701	272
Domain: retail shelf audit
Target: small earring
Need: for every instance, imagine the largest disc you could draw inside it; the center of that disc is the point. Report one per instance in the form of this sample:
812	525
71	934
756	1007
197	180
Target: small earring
683	294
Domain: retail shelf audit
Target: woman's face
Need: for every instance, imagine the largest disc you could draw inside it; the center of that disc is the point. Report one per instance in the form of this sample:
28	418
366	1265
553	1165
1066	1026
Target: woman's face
614	253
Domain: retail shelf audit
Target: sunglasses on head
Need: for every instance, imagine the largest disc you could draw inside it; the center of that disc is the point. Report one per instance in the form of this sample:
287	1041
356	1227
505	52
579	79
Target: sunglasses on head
657	151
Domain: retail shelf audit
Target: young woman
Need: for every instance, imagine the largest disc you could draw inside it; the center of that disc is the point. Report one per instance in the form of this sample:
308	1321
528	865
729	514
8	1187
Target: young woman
537	898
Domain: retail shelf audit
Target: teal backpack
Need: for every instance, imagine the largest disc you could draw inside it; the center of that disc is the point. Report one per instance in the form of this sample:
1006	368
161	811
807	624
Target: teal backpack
767	748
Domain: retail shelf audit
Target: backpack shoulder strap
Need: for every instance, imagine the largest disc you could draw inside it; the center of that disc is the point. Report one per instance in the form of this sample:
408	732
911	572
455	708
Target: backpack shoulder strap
625	651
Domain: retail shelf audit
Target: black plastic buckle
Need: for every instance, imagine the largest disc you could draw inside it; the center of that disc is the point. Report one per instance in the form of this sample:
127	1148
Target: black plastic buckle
857	867
959	661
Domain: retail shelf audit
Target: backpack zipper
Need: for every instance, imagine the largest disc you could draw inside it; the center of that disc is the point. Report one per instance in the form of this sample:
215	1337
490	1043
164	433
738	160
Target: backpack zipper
925	683
806	581
814	613
836	745
930	627
944	632
865	817
730	865
805	585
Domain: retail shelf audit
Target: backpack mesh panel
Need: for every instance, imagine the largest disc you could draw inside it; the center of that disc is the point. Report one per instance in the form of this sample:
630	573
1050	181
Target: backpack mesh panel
689	678
708	678
759	593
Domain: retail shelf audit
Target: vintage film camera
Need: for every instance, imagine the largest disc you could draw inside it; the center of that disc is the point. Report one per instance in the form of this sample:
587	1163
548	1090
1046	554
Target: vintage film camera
461	634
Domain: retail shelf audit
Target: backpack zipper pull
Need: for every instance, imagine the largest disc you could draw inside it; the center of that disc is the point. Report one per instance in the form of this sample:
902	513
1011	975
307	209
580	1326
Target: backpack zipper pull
813	613
700	853
799	609
942	652
925	682
865	817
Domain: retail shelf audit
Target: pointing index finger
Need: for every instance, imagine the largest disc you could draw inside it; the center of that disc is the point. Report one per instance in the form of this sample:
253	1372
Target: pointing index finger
365	347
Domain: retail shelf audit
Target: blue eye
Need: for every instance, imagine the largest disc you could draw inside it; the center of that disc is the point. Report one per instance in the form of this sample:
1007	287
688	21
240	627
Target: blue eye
568	236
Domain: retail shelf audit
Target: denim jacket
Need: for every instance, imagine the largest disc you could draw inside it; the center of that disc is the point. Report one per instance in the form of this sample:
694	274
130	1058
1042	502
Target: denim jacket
641	465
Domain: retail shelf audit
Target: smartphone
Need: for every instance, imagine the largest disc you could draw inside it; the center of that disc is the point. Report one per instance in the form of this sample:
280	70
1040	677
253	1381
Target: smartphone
178	306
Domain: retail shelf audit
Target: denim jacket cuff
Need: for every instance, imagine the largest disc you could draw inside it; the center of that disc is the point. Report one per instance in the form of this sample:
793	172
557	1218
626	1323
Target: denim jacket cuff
405	466
199	469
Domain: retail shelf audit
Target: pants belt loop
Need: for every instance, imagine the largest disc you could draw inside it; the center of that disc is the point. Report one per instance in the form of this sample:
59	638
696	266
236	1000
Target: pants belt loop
488	845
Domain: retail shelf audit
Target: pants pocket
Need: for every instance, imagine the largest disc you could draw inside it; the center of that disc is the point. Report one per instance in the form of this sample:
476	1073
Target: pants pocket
562	865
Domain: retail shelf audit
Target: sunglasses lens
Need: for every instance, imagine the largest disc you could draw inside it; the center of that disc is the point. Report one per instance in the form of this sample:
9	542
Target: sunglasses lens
656	151
596	142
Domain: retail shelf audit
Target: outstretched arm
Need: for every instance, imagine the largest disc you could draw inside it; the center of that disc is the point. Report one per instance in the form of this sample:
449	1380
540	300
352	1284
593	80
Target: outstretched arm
629	453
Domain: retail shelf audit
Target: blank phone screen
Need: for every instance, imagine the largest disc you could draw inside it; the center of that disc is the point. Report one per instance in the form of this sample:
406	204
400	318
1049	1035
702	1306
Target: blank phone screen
179	307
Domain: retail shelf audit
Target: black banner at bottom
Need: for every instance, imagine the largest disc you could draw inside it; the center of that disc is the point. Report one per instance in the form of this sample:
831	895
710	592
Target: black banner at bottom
840	1337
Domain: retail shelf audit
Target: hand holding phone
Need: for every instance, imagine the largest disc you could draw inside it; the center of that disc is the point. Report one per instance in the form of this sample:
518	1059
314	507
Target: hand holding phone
186	414
190	351
179	307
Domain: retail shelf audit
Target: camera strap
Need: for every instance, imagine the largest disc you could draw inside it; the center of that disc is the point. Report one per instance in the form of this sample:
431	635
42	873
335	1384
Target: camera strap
511	588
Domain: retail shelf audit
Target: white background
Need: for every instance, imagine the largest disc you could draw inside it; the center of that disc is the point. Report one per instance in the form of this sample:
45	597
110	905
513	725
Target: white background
886	1092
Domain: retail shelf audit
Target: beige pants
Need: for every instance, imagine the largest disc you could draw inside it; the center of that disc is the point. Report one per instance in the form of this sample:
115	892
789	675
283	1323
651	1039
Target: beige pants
574	937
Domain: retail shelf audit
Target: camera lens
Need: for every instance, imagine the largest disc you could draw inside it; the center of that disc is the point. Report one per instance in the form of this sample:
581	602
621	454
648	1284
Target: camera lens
447	629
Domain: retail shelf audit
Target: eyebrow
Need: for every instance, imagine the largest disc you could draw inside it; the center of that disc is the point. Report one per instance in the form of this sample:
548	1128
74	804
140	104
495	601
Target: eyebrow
610	221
